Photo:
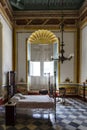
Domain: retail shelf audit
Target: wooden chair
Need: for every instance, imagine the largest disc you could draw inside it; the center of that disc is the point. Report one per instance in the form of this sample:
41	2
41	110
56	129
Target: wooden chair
62	94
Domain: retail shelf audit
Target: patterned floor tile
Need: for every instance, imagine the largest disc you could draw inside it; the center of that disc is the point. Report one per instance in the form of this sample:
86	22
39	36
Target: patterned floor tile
70	127
70	116
77	121
81	127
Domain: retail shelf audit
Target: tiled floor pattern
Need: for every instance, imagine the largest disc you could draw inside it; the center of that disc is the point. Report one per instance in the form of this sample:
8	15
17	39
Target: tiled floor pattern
70	116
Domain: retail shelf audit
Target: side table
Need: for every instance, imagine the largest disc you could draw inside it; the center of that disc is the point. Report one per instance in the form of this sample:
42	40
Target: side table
10	113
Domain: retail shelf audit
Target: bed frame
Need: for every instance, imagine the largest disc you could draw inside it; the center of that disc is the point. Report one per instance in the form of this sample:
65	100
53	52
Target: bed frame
11	93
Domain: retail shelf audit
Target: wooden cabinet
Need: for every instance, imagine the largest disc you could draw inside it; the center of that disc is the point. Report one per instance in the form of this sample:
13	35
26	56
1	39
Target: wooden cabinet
10	114
71	89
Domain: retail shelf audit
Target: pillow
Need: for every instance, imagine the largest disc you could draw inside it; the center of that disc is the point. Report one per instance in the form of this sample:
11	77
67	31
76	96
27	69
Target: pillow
15	99
20	95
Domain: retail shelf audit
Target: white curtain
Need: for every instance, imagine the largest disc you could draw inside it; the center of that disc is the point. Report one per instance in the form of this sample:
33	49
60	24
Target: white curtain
40	56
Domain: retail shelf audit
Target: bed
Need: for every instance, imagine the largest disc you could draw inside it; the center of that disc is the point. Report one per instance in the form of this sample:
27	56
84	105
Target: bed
39	102
33	101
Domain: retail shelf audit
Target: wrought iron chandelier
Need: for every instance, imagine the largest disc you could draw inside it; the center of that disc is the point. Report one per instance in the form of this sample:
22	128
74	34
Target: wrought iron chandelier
61	58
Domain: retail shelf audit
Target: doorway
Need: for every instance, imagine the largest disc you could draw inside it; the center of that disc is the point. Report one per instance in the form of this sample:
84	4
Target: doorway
39	63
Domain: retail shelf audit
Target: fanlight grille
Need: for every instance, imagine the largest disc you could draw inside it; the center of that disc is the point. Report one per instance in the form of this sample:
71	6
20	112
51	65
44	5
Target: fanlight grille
42	37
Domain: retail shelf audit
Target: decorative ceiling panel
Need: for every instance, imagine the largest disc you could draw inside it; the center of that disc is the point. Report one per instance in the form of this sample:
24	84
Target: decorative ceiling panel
24	5
21	22
37	21
44	13
53	21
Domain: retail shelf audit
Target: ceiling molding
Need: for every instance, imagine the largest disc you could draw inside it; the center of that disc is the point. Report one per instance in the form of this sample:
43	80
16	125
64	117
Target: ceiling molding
84	5
6	11
44	19
50	14
5	16
83	23
48	27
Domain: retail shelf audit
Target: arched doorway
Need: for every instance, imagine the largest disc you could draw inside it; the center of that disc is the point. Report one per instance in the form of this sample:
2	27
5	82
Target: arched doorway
41	45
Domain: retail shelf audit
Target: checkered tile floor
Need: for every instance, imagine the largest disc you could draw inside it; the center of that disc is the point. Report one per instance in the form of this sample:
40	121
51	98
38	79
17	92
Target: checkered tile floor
70	116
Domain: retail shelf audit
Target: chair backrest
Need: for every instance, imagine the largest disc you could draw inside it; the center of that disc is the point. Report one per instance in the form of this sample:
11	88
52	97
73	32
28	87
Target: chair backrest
62	91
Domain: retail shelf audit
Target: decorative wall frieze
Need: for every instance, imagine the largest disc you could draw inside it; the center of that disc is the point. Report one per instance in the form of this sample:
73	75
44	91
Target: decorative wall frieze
42	18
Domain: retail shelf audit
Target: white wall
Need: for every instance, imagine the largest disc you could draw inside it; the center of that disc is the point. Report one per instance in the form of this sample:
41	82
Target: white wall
83	54
66	70
6	49
21	55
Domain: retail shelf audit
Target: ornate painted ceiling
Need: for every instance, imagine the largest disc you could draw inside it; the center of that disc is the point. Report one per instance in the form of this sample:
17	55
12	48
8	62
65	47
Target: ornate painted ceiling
23	5
45	14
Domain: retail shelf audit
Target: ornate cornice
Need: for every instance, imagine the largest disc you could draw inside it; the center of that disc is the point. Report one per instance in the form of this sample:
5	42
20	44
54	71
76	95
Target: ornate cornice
6	11
45	13
43	19
83	14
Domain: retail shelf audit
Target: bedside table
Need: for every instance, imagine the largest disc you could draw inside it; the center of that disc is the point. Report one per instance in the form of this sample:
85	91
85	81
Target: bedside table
10	113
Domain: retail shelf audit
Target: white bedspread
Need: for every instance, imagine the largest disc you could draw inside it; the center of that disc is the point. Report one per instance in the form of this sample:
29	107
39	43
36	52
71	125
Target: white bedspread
37	98
33	101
